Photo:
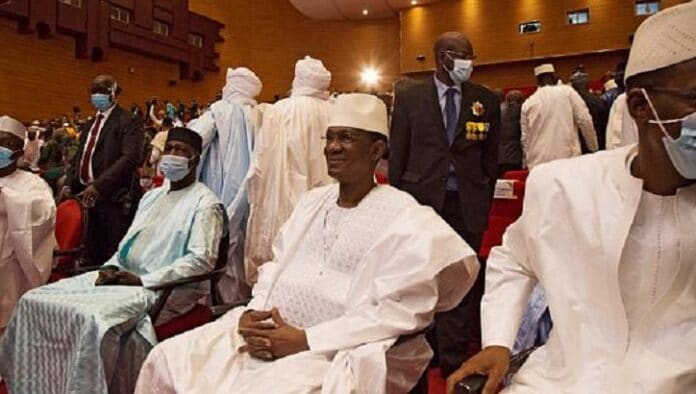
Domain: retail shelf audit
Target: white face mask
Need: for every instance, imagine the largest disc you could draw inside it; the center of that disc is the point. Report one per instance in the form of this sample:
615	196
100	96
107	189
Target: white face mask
174	168
461	71
681	151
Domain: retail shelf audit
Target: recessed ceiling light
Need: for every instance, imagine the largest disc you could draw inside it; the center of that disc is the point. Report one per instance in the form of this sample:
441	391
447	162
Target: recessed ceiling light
366	11
414	2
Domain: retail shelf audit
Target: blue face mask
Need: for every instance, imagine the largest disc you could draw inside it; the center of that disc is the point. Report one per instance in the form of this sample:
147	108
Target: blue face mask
681	151
174	168
461	71
5	157
101	101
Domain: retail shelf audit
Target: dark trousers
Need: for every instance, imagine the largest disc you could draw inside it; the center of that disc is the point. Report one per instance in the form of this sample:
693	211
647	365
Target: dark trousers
457	332
108	223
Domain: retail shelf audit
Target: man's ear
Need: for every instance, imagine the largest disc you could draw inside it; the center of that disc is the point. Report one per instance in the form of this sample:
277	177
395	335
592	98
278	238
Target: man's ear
638	106
379	148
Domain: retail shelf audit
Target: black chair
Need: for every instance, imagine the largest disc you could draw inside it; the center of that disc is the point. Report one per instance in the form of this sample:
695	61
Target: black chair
474	383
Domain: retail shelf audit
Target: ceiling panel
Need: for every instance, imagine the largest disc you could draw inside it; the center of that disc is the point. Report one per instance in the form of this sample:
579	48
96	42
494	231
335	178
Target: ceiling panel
354	9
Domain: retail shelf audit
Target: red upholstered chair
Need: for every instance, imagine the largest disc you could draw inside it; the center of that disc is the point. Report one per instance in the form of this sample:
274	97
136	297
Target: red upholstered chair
200	314
71	224
504	211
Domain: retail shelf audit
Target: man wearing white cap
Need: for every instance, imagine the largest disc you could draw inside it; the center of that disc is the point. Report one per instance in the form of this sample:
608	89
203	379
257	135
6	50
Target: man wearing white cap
352	271
288	159
27	220
617	257
550	121
228	137
32	146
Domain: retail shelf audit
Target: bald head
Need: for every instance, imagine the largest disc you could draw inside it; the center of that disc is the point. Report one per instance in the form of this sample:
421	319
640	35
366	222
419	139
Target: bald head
104	84
514	97
452	39
449	46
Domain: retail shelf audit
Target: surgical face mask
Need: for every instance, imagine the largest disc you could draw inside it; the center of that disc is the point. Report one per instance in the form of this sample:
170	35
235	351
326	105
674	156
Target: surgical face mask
5	157
681	151
174	168
101	101
461	72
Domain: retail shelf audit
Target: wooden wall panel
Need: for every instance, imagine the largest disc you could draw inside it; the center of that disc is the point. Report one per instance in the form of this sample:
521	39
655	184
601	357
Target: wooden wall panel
492	27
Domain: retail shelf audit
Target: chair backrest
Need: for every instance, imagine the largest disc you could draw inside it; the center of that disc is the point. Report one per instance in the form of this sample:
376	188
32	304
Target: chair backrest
504	212
70	228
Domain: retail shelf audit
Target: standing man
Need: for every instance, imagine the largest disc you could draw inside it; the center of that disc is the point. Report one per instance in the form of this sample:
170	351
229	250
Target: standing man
510	155
103	174
599	109
550	121
617	258
32	146
27	219
444	151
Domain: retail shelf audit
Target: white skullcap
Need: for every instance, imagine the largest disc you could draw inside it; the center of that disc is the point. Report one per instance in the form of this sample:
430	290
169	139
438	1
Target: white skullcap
242	86
311	79
610	84
360	111
664	39
543	69
36	127
12	126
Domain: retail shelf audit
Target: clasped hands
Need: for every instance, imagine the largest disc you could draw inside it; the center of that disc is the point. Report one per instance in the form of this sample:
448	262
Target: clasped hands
112	276
269	340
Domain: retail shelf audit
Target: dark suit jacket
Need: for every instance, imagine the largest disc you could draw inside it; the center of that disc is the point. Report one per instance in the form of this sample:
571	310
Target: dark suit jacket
117	154
599	110
511	136
420	155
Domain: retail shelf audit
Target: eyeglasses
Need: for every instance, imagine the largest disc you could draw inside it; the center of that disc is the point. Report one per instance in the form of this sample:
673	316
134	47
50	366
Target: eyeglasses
460	55
688	95
344	138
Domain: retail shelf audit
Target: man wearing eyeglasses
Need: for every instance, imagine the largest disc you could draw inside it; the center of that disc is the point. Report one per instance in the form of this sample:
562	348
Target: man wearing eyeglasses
444	151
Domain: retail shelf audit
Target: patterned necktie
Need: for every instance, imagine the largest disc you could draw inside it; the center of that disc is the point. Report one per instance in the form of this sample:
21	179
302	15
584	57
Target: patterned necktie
87	158
451	114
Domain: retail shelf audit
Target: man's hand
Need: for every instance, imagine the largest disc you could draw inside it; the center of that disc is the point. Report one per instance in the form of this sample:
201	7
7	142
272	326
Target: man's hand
128	279
107	276
89	196
271	343
492	361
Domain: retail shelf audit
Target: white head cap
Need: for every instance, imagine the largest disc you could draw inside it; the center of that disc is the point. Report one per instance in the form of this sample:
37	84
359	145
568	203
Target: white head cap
543	69
242	86
12	126
664	39
360	111
311	79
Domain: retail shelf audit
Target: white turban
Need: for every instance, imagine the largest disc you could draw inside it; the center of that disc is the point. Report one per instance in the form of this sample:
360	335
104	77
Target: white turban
665	39
311	79
12	126
242	86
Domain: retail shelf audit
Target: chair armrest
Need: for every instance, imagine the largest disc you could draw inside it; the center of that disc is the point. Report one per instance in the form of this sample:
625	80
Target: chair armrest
185	281
67	252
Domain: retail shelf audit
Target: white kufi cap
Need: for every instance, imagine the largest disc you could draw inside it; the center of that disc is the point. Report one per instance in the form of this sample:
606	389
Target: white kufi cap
360	111
12	126
664	39
544	69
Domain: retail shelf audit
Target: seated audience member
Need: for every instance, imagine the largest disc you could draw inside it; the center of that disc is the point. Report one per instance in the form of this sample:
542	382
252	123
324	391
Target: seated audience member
93	329
356	266
616	255
27	217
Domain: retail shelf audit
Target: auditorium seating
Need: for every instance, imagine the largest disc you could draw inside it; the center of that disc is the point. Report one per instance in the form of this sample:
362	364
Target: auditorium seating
71	222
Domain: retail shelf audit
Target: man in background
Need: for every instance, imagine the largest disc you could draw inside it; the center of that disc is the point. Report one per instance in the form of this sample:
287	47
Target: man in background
599	110
445	136
288	159
510	155
103	174
550	121
32	146
27	220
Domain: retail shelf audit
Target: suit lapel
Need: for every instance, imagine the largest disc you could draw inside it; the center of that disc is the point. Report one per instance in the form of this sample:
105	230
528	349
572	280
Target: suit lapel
465	113
435	111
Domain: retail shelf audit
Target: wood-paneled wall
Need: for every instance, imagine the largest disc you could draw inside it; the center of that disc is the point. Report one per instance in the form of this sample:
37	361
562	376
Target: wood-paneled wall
493	27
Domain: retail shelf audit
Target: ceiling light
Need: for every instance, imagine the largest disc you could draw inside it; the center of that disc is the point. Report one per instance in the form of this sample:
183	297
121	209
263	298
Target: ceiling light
414	2
369	76
366	11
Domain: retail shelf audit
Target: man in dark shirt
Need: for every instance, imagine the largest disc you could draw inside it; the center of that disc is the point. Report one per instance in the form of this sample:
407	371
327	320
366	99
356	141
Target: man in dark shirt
599	110
510	153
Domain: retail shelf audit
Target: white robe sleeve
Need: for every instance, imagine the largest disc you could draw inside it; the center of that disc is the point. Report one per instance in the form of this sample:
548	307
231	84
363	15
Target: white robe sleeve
614	125
31	219
205	126
407	289
583	119
202	253
510	278
524	139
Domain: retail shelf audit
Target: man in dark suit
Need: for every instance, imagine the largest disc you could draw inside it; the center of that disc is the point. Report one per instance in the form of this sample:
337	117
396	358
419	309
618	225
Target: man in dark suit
103	173
599	109
444	151
510	155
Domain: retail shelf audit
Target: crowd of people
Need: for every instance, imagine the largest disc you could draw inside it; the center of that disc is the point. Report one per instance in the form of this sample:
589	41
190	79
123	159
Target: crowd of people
350	284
